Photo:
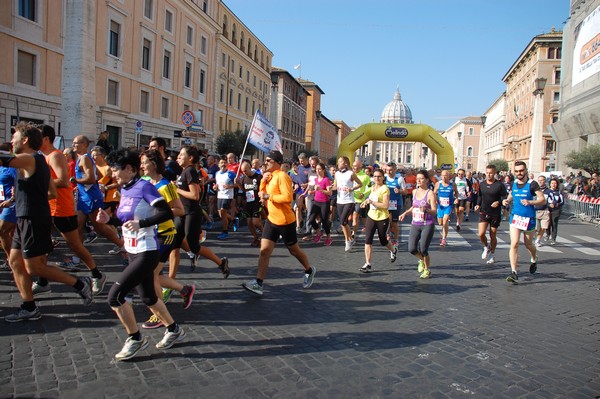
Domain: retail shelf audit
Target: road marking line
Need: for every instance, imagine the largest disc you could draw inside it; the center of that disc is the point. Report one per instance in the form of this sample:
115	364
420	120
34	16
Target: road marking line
577	246
587	239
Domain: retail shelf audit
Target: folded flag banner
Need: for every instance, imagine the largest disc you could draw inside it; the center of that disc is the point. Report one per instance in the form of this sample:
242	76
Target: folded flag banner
263	135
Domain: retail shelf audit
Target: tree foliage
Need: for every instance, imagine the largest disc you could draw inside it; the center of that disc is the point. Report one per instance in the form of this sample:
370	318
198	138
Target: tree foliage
234	142
587	159
500	164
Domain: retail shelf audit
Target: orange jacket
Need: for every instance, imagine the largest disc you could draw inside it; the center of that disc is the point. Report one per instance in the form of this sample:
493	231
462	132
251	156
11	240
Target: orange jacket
279	204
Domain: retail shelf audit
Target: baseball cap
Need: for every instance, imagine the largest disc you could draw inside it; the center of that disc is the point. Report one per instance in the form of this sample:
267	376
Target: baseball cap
276	156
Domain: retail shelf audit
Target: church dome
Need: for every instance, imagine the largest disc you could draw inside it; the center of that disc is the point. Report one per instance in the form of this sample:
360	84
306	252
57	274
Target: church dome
396	111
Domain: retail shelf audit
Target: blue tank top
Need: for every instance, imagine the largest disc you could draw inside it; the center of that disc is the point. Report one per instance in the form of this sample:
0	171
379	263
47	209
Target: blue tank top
8	178
88	192
392	184
445	195
521	194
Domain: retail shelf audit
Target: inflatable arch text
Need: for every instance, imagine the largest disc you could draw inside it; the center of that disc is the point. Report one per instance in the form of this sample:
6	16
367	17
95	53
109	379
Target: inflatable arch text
396	132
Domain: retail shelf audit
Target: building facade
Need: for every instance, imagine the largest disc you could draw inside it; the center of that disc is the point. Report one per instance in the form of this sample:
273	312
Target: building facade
464	137
531	104
288	111
313	115
32	42
131	68
491	144
328	133
578	122
243	83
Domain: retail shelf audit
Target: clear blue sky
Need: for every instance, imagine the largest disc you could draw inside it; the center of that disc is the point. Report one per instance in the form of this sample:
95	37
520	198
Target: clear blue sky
447	57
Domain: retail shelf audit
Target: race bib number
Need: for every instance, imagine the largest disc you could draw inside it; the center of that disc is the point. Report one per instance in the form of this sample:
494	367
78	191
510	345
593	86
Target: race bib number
393	205
250	196
444	201
418	215
520	222
2	196
129	238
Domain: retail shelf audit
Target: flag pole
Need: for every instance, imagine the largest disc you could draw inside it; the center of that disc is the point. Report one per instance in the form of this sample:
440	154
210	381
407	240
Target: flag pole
246	145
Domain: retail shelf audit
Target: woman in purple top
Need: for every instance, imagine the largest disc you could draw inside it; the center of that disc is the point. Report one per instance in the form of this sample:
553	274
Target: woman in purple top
424	211
140	210
322	192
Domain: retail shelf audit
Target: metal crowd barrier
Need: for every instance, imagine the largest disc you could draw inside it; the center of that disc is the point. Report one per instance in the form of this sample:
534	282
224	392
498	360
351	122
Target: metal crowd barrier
583	208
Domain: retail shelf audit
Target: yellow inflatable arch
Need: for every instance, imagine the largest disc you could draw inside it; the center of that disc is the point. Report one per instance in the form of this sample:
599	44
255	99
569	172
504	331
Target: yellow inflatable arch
399	132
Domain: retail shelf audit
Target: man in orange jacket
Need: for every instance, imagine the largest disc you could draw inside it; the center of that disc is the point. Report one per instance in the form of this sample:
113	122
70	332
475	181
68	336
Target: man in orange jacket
276	192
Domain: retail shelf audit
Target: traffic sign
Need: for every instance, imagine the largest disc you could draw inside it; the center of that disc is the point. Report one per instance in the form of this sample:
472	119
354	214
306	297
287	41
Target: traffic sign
187	117
138	127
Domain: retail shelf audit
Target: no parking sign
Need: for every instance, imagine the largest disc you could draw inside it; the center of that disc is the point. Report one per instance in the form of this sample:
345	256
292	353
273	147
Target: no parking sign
187	118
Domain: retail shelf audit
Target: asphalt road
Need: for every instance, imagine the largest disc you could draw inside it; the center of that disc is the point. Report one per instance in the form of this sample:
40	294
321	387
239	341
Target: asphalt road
465	332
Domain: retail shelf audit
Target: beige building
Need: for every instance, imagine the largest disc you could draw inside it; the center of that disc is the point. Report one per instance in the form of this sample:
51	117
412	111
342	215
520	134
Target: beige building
313	114
132	68
578	122
243	83
328	133
32	43
531	103
153	60
463	136
288	111
491	141
343	131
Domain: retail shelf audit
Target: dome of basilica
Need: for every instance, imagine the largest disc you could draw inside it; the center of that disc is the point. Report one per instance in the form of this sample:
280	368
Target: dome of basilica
396	111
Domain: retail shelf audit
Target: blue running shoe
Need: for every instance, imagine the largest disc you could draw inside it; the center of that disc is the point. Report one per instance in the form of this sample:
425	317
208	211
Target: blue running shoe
236	224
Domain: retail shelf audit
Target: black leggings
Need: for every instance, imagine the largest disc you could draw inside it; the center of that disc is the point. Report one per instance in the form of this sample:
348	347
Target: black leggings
420	238
553	228
191	225
345	210
381	226
320	208
139	273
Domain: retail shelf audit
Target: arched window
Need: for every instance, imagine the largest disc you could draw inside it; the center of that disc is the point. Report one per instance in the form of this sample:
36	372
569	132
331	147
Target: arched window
255	53
470	151
225	26
233	35
242	41
249	48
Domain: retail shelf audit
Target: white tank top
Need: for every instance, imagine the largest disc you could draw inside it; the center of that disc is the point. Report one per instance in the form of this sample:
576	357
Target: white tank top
344	182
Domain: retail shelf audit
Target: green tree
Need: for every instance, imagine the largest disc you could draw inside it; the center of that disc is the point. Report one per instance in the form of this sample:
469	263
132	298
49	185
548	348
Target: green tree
500	164
587	159
234	142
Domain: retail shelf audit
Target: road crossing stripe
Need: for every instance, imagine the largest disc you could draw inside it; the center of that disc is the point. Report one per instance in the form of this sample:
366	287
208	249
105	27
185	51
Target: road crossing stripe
577	246
501	243
454	239
587	239
548	249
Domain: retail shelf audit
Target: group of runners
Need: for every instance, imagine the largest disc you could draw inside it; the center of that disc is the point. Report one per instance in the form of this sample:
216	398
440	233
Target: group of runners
149	206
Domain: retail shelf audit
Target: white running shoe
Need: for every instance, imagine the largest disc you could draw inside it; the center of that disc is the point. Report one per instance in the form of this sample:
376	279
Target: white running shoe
486	252
348	246
491	260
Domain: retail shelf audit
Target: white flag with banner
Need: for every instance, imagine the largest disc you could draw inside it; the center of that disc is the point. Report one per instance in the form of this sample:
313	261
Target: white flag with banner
263	135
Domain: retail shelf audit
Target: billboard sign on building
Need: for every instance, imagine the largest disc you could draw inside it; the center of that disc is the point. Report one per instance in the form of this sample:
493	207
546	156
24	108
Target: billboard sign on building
586	55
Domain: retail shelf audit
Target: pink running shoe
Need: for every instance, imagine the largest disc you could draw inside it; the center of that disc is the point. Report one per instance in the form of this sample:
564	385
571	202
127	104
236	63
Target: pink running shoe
443	242
328	241
317	238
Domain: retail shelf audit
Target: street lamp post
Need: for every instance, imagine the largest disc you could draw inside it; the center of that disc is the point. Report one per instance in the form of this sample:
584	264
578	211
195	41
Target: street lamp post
537	128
